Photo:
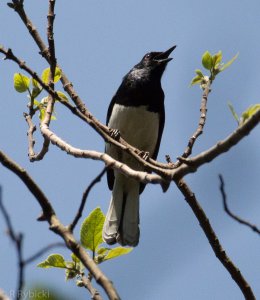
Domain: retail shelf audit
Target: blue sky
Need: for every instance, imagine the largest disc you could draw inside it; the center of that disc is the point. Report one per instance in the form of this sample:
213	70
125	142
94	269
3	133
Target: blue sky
97	42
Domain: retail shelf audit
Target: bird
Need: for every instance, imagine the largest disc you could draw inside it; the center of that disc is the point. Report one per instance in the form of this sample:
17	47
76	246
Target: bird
137	112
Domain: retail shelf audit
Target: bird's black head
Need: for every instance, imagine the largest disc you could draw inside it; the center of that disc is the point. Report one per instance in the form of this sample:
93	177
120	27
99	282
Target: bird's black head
154	62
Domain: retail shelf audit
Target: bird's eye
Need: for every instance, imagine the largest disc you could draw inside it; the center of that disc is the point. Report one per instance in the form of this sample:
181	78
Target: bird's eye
148	55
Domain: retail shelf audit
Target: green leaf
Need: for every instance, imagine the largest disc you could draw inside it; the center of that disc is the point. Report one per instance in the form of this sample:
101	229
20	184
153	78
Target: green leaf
42	113
36	88
216	59
116	252
79	283
228	63
249	112
91	230
103	250
35	83
70	274
46	74
196	80
36	103
63	96
21	82
76	264
57	75
207	60
75	258
36	92
199	73
53	261
231	107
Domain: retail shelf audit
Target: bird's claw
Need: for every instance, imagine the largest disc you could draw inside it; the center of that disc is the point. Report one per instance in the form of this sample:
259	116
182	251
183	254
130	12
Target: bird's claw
145	155
114	133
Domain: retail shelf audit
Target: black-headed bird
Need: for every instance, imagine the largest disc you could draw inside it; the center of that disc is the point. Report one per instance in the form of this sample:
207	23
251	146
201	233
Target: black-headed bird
137	111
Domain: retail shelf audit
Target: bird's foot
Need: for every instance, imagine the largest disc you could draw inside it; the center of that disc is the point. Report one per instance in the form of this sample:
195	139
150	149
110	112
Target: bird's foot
144	154
114	133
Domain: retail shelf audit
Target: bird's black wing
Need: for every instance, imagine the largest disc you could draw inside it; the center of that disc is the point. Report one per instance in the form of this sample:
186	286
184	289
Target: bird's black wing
121	97
110	172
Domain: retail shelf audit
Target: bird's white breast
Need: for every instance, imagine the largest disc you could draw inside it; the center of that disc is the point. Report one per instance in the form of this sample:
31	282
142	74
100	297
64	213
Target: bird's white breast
138	126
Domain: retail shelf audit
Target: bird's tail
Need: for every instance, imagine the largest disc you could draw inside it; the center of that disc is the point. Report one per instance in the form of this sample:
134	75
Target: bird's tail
122	219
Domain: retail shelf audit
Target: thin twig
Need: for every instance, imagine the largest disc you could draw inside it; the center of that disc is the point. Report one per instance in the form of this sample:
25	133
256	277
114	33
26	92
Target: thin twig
42	251
52	63
214	241
191	165
31	142
3	295
50	36
199	130
227	210
84	199
18	7
86	281
57	227
17	239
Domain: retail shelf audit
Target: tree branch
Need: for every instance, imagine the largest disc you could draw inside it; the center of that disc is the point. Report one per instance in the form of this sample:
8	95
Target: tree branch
45	249
57	227
17	239
52	62
227	210
202	122
31	142
214	241
84	199
192	164
86	281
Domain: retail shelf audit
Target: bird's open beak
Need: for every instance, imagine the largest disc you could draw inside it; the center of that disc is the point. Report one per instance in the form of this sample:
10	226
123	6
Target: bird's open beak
164	56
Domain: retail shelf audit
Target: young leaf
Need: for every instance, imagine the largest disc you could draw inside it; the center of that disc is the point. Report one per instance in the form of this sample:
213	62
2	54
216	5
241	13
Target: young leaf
91	230
36	103
53	261
231	107
101	254
199	73
103	250
21	82
228	63
118	251
36	91
63	96
42	113
46	74
196	80
57	75
35	83
207	60
79	283
53	116
216	59
70	274
249	112
75	258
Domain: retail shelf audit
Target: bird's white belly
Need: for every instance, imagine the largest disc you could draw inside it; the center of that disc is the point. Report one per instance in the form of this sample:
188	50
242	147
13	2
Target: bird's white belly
137	126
